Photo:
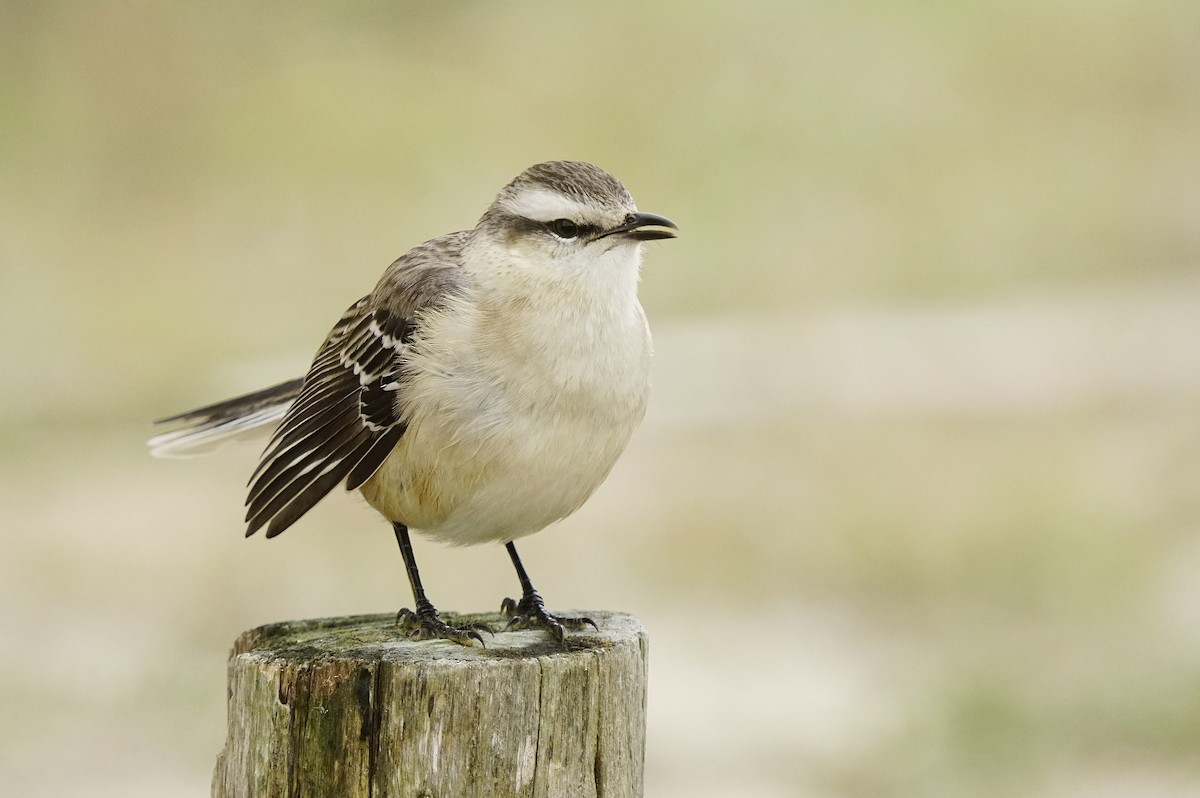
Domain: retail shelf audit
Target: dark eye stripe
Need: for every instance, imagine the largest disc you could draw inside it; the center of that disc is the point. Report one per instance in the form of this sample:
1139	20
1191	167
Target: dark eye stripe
523	226
570	230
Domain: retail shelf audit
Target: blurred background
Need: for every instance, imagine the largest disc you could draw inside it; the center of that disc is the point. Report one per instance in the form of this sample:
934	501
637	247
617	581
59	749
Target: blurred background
915	509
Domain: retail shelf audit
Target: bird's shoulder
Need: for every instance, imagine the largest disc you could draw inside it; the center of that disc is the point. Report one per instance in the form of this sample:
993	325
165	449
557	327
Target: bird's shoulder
427	275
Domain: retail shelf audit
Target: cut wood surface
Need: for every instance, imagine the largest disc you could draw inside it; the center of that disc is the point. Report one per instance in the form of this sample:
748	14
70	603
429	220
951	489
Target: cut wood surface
350	707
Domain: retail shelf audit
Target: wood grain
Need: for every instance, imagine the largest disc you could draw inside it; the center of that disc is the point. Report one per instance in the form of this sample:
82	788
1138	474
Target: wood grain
349	707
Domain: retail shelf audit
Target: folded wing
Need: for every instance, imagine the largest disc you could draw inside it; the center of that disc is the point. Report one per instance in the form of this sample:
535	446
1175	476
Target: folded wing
347	418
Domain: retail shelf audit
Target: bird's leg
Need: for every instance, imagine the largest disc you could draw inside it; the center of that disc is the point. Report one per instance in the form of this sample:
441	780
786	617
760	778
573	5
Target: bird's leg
425	623
531	611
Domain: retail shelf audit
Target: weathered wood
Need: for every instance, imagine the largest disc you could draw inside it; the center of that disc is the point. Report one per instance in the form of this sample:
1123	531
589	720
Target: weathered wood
349	707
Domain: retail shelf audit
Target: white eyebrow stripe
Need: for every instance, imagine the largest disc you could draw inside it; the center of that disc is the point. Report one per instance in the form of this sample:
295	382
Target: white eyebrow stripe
543	205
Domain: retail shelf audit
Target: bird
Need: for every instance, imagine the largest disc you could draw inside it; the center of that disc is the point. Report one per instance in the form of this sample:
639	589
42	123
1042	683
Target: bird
482	391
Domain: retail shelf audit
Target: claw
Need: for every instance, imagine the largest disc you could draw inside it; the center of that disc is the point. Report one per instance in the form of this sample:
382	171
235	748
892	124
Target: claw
530	612
426	624
480	626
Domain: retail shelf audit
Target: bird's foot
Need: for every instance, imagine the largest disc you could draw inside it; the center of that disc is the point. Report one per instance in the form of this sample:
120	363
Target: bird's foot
426	624
530	612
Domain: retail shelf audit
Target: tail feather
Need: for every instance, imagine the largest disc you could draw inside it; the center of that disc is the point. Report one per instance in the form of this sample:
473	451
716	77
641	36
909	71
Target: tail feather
203	429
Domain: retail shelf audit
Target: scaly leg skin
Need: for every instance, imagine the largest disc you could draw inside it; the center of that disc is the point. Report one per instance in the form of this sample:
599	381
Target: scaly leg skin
425	623
531	612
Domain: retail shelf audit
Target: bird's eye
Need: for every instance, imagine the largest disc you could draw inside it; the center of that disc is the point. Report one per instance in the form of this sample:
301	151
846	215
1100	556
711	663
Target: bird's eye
564	228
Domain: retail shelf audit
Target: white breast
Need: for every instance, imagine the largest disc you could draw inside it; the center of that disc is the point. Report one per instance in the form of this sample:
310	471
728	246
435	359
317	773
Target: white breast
518	410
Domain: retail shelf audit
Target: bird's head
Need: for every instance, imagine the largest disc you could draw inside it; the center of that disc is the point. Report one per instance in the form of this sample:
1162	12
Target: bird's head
568	218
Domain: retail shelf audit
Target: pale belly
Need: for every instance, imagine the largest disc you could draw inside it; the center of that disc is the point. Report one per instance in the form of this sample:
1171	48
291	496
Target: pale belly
463	481
516	415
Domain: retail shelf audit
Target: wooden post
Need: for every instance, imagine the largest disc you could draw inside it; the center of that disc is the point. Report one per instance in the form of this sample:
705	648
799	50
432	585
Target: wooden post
349	707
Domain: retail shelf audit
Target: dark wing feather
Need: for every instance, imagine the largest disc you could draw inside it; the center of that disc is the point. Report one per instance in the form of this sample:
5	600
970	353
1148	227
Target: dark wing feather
336	426
312	493
346	419
280	479
374	456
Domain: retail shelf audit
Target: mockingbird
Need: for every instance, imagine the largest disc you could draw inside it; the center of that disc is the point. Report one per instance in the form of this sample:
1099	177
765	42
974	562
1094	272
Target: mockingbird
481	392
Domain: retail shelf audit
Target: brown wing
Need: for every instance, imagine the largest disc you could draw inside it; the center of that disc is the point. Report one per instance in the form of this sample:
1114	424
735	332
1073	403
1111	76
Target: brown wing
346	419
342	425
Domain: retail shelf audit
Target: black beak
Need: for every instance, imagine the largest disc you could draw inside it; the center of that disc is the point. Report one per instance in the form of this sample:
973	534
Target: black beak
635	225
